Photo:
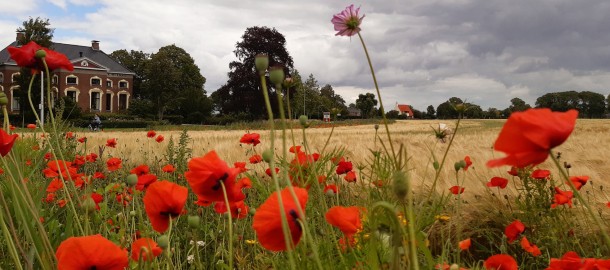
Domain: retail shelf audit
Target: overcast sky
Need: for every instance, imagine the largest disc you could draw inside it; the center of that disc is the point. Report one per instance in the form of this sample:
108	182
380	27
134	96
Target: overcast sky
424	51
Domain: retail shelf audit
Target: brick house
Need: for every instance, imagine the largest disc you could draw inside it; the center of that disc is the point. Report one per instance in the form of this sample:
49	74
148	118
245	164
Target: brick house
97	84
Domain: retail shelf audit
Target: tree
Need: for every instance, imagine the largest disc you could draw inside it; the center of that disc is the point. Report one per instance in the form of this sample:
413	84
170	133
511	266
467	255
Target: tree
242	92
589	104
518	105
392	114
333	102
430	112
136	62
608	104
174	82
446	110
366	103
493	113
592	105
39	31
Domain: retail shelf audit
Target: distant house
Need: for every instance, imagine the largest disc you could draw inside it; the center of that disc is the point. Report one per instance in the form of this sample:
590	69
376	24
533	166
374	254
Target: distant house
354	112
97	84
404	109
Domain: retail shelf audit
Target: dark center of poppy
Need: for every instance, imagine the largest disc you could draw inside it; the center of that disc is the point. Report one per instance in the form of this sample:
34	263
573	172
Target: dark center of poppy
295	218
93	267
169	214
221	179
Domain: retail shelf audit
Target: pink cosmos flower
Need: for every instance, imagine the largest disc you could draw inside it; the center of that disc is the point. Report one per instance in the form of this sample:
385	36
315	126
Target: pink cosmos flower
347	22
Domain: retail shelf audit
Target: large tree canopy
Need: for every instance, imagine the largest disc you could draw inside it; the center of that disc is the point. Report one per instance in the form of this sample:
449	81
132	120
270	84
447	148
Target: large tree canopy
134	61
242	93
366	103
589	104
174	82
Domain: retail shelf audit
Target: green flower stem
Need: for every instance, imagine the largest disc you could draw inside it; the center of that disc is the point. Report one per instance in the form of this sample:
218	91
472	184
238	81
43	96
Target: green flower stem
230	229
10	236
285	228
602	227
6	120
438	172
385	120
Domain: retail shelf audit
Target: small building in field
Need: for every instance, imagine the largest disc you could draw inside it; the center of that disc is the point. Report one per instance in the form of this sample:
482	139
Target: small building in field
354	112
404	109
98	83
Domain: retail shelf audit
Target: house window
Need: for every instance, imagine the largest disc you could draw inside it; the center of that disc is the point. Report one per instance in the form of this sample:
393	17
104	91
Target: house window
71	94
96	81
108	83
71	80
1	77
14	77
123	84
95	101
108	102
122	102
15	104
55	79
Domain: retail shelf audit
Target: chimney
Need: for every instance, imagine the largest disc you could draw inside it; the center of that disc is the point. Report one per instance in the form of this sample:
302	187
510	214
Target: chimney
20	37
95	45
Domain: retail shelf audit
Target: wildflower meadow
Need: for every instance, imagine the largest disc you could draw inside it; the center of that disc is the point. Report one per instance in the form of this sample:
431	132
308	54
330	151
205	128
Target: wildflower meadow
468	194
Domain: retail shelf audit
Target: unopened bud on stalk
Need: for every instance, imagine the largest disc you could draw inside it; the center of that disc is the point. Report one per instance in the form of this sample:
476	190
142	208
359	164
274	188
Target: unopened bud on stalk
193	221
436	165
276	75
459	165
132	179
40	54
88	204
303	120
261	61
163	241
3	99
268	155
454	267
461	108
376	126
400	184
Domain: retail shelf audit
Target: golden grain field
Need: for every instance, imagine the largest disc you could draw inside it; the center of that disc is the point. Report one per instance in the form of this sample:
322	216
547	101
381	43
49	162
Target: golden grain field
586	149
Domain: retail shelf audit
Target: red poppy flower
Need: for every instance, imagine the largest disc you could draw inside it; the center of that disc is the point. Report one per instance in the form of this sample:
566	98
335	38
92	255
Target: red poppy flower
268	171
513	171
541	174
69	135
241	166
255	159
239	209
90	252
321	179
244	183
151	134
25	56
140	170
569	260
498	182
164	200
91	157
55	168
145	180
579	181
251	138
344	167
268	221
527	137
31	126
11	127
98	175
513	230
295	149
6	142
145	248
205	175
48	155
468	162
97	198
465	244
82	139
350	177
113	164
55	185
78	161
331	189
501	262
315	156
111	143
160	138
532	249
562	197
346	219
456	190
169	168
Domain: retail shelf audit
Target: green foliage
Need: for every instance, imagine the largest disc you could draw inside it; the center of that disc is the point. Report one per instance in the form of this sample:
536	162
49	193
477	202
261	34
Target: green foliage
366	103
392	114
430	112
446	109
517	105
589	104
178	155
135	61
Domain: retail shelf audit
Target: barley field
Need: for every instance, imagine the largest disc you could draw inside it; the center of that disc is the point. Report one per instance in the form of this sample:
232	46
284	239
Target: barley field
586	150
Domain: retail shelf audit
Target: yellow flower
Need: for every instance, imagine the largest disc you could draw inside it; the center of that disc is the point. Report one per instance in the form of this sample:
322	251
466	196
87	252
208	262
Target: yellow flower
250	242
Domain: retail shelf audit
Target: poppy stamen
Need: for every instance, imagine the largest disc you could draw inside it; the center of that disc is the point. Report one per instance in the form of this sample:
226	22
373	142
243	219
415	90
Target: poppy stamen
221	179
169	214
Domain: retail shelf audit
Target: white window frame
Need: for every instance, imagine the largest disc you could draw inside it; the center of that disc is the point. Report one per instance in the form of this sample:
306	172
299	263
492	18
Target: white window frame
71	76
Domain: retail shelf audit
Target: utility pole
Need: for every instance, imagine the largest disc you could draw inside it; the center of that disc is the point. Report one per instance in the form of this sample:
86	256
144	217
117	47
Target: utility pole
41	106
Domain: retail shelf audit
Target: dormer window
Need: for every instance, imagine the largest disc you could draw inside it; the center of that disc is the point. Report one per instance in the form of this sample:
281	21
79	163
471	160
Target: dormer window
72	80
96	81
123	84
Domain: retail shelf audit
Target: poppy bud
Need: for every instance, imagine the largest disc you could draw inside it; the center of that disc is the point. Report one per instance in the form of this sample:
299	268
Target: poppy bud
163	241
376	126
261	61
252	210
400	184
132	179
459	165
88	205
40	54
132	213
276	75
3	99
454	267
303	120
193	221
436	165
268	155
461	108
